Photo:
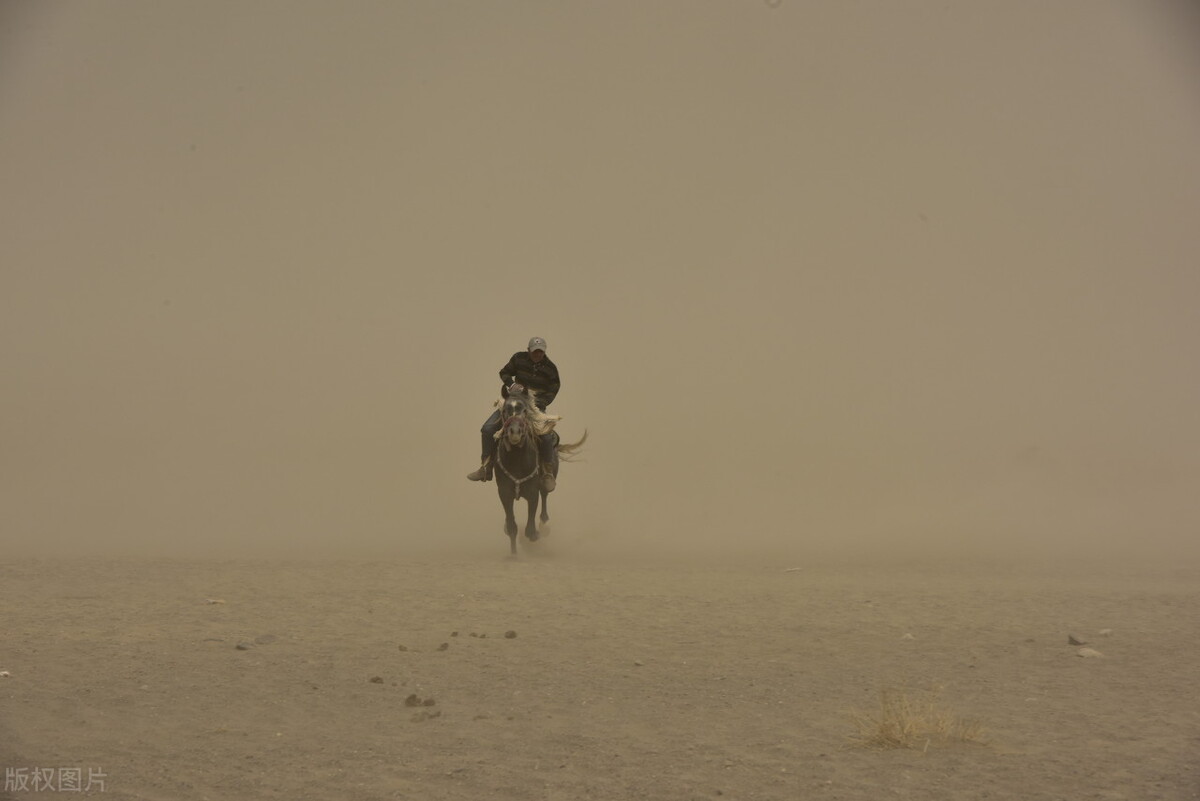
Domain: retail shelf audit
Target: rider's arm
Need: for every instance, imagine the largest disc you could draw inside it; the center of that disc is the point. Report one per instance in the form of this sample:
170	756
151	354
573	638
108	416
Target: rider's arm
508	375
546	397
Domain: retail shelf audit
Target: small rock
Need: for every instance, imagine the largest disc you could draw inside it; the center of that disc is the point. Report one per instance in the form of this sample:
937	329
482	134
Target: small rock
244	646
443	646
4	674
1088	653
412	700
214	600
454	634
376	679
424	715
429	702
638	663
1105	632
1073	640
402	647
510	634
908	637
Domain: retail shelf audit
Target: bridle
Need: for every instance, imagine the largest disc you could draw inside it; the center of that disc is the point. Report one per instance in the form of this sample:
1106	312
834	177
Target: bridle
513	420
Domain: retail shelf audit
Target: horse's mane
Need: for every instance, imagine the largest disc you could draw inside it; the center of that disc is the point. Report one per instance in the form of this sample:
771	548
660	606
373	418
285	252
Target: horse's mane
539	421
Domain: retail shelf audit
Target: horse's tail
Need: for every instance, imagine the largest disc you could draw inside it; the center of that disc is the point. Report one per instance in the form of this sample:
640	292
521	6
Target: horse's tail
567	451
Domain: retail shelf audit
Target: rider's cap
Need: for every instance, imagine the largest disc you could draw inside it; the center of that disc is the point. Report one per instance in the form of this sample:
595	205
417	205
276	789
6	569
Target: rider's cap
537	343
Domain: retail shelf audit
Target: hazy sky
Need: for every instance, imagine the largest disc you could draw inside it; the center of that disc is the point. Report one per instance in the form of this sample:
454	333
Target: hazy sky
857	272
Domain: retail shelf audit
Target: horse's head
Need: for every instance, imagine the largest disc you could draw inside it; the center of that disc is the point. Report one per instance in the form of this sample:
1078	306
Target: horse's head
516	412
514	406
516	430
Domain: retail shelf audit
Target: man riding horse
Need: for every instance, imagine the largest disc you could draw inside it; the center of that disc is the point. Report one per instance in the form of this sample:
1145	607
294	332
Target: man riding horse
528	369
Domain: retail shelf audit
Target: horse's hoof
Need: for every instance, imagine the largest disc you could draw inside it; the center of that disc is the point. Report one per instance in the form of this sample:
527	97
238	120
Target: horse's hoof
532	536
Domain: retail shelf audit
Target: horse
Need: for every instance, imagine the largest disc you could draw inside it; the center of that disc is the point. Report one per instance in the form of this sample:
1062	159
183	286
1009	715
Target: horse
518	466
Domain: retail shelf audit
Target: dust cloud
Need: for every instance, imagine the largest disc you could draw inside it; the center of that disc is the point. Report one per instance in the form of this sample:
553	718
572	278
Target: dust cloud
820	278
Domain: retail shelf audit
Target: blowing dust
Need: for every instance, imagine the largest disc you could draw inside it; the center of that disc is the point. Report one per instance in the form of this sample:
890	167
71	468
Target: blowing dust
809	300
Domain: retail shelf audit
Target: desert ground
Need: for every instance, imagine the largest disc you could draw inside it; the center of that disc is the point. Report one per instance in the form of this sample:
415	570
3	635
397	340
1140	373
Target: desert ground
570	672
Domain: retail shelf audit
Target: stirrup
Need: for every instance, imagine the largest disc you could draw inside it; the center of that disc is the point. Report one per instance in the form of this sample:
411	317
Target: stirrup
548	481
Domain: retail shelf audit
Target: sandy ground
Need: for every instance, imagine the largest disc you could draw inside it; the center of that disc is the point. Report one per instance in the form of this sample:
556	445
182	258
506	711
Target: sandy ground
624	680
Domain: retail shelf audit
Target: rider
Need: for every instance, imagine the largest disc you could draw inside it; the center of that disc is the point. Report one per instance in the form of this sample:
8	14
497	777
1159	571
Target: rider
528	369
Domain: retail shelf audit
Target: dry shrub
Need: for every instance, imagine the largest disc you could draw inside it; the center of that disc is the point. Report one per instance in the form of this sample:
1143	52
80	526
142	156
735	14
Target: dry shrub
910	718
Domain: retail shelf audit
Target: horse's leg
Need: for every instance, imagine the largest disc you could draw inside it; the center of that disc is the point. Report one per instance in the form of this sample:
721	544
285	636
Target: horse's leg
510	520
545	517
531	532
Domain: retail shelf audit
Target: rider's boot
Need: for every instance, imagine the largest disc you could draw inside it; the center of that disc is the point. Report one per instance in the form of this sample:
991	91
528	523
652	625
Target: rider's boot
484	473
486	461
547	456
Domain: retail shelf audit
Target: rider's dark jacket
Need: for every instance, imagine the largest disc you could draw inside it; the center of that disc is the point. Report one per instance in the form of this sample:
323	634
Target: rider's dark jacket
541	377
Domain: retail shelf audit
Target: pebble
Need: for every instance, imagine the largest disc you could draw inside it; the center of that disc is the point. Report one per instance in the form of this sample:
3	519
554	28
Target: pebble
244	646
510	634
1105	632
1088	653
443	646
376	679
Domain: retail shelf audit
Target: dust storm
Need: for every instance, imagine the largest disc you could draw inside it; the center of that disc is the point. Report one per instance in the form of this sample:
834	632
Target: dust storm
819	281
879	318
